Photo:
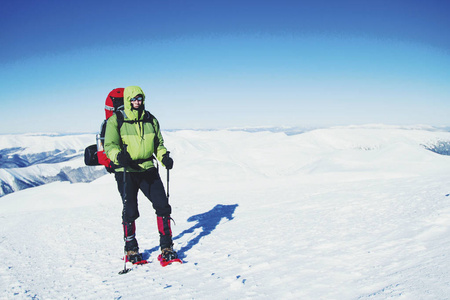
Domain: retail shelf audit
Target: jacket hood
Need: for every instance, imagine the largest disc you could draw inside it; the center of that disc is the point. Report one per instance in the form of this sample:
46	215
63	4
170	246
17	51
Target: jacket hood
129	93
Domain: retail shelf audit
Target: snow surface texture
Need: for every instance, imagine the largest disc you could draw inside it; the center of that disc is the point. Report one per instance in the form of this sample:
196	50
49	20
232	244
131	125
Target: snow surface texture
337	213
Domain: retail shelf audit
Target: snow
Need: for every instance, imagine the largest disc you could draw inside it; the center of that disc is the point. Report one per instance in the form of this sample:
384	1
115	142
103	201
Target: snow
30	160
356	212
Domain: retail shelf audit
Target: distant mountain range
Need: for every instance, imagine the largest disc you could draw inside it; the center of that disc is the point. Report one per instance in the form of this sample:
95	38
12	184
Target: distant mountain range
30	160
42	159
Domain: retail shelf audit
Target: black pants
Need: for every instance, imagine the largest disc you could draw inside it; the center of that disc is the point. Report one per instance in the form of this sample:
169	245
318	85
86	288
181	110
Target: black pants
152	187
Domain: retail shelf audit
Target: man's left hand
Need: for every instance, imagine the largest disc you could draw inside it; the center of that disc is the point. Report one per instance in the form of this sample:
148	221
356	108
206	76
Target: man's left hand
167	161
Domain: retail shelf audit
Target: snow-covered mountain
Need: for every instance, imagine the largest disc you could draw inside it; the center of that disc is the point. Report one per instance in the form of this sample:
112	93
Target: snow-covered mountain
355	212
31	160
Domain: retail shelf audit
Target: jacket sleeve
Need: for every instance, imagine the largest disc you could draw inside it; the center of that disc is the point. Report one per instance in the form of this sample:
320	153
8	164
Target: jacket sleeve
112	140
103	159
160	150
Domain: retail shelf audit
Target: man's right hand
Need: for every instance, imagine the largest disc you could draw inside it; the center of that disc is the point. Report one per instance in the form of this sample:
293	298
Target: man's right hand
124	159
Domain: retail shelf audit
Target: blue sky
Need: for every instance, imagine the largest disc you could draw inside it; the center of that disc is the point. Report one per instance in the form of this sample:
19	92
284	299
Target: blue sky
219	64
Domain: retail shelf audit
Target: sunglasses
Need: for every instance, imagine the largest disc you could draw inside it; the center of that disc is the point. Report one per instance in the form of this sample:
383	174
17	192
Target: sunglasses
139	98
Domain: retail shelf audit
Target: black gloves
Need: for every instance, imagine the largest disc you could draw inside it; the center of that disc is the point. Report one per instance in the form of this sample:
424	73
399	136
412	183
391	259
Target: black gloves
124	159
110	169
167	161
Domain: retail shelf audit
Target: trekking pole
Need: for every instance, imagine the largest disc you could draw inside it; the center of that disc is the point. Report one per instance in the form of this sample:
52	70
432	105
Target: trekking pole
124	200
168	153
167	184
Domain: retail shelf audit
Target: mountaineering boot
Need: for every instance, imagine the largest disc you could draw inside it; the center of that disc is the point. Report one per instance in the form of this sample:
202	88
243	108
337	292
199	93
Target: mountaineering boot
134	256
131	245
168	254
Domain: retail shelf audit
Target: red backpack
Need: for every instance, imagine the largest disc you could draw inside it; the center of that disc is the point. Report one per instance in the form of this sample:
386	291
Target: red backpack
94	155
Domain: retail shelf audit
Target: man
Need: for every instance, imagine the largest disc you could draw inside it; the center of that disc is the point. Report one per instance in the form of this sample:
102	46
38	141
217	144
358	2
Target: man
132	138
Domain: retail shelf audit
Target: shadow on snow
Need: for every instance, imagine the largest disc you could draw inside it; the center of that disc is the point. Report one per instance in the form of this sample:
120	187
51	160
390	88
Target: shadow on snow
207	221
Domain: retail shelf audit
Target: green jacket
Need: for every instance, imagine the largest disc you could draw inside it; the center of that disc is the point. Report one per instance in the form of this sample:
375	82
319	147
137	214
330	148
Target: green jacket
140	137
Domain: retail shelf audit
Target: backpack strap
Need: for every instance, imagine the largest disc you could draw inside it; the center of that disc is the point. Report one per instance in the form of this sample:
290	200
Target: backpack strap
120	117
102	132
148	118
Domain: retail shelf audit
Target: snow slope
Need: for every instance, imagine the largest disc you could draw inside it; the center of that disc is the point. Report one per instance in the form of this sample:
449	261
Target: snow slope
31	160
338	213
